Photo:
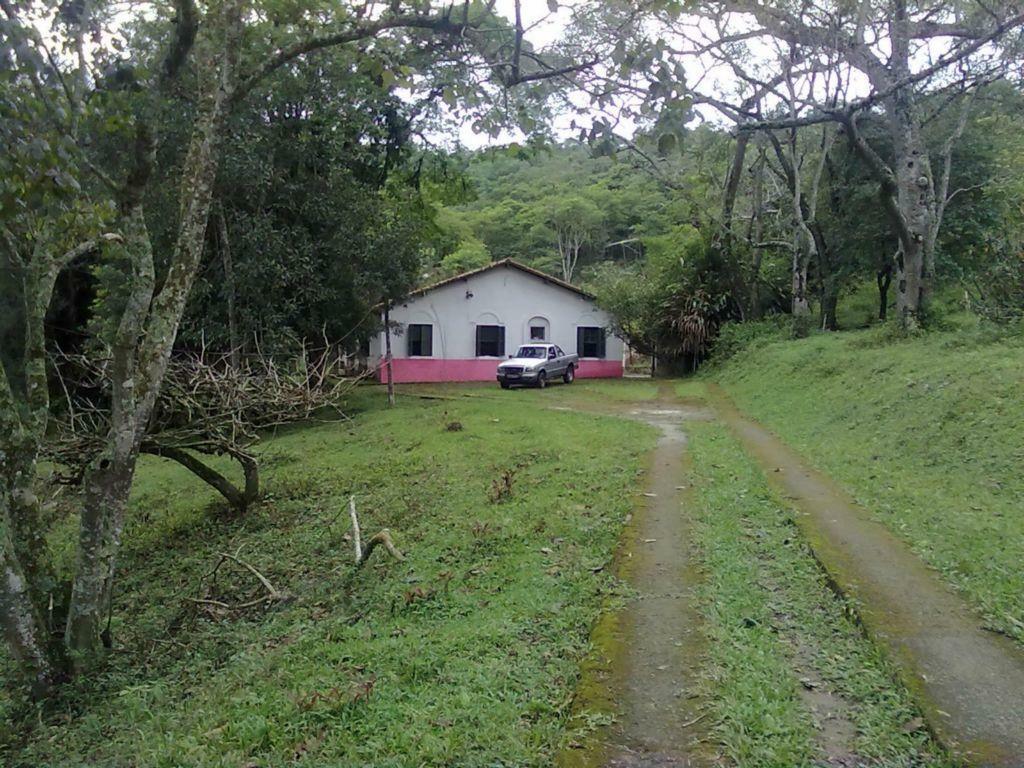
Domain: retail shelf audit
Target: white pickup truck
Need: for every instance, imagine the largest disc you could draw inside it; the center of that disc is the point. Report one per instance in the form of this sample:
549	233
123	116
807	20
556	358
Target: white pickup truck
538	364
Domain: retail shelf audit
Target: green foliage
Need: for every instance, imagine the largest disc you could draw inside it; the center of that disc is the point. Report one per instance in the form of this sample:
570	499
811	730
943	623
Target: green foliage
471	254
922	431
737	338
632	301
322	215
523	196
573	216
670	305
983	219
800	326
999	289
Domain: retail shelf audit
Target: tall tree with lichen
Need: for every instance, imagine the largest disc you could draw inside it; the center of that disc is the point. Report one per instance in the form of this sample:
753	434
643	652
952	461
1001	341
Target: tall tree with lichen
222	52
881	43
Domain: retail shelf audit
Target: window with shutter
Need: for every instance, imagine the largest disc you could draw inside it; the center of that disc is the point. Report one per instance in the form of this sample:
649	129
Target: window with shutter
490	341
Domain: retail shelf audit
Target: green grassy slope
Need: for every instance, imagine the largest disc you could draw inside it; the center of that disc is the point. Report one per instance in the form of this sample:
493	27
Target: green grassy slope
778	631
926	433
463	655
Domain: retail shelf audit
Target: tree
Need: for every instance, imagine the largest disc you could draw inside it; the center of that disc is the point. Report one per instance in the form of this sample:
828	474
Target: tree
670	305
471	254
575	222
880	42
305	184
222	52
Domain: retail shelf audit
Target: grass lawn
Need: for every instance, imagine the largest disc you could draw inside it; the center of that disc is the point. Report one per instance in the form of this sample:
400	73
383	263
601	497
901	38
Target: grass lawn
465	654
581	392
784	654
925	433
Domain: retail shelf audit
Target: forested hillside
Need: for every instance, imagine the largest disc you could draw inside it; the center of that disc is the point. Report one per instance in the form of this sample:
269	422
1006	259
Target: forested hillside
650	228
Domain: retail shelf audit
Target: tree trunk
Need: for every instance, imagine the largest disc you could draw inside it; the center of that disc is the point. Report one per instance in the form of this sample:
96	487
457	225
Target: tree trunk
756	235
883	277
251	473
908	194
141	359
240	499
801	305
804	243
829	304
915	196
107	485
915	209
724	243
23	627
387	357
828	278
229	288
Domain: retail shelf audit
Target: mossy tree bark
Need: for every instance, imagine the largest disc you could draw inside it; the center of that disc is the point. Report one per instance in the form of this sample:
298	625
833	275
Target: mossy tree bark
239	498
26	580
143	346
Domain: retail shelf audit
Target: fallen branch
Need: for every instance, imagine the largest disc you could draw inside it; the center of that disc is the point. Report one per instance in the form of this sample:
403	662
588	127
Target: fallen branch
272	592
355	528
382	538
378	539
239	498
695	720
208	406
205	601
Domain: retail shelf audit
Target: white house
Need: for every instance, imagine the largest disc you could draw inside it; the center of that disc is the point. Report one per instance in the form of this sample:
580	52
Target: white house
460	328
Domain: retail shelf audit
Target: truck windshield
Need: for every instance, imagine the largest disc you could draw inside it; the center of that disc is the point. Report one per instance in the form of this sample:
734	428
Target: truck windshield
532	352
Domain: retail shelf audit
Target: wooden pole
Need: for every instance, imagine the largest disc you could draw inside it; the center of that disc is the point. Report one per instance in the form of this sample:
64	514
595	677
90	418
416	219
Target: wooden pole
387	356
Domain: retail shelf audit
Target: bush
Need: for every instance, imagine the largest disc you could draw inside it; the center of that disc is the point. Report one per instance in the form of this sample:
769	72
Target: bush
800	326
1000	289
734	338
882	334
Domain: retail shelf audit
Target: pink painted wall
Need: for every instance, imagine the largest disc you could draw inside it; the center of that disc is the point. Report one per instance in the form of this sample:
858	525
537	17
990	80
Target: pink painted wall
600	369
408	370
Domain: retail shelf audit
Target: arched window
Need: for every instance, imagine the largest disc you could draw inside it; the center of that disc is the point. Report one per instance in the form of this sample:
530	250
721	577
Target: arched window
538	329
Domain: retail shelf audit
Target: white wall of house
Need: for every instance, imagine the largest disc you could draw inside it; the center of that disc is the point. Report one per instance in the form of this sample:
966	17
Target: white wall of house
501	296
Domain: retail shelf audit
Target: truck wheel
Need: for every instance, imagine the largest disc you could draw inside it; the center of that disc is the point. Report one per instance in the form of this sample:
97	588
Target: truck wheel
504	384
542	379
569	375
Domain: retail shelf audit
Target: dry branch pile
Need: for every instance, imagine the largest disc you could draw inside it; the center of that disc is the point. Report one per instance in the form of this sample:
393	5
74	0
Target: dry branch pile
207	406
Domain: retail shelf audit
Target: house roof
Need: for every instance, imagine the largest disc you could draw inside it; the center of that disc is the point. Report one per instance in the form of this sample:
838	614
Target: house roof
511	264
